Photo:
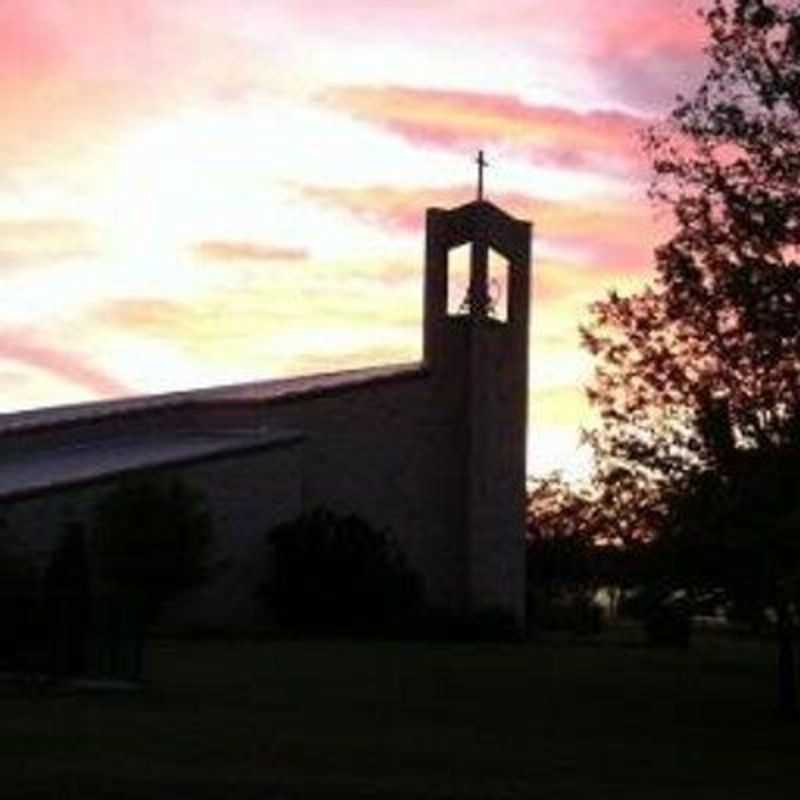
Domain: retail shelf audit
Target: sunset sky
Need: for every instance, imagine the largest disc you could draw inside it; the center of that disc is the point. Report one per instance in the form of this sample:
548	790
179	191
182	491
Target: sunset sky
211	191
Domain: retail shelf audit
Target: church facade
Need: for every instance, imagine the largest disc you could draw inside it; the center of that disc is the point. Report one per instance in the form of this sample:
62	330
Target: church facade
433	451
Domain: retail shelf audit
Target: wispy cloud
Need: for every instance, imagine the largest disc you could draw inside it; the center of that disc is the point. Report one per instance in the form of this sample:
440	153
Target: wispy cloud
224	340
598	140
239	251
615	234
634	53
146	314
24	348
38	242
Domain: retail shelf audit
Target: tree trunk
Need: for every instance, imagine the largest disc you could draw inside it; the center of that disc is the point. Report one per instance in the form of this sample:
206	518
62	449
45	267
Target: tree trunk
787	664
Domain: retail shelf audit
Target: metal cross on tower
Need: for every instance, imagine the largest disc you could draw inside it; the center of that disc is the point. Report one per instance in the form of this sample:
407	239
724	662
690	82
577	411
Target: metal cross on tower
482	163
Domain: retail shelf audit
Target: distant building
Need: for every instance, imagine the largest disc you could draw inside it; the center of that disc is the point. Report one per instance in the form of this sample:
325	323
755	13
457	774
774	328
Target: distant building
433	451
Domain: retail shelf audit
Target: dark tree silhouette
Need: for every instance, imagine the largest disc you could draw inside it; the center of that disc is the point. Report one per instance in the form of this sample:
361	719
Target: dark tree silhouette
698	375
68	602
569	554
20	599
152	542
336	573
562	525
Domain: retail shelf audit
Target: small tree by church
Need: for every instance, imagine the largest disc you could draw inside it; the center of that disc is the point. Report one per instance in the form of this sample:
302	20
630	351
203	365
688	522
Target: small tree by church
68	603
20	600
336	573
151	541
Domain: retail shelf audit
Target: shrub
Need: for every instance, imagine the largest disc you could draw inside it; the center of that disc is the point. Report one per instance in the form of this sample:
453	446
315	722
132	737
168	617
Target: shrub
68	603
576	613
152	542
664	612
668	624
333	573
20	602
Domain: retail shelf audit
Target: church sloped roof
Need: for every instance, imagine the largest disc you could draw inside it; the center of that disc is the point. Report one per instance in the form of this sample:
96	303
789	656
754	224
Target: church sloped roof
82	457
37	418
258	391
40	471
311	384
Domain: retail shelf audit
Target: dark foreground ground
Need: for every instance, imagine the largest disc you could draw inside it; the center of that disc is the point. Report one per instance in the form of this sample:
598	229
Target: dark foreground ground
557	719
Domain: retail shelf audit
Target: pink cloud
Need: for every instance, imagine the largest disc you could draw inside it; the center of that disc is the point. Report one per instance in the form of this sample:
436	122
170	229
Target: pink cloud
649	56
387	206
648	28
636	52
608	233
27	47
21	347
82	38
597	140
148	42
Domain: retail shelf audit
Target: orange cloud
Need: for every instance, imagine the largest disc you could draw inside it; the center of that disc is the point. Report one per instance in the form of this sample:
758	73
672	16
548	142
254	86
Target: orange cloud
232	336
22	348
226	251
147	314
37	242
598	140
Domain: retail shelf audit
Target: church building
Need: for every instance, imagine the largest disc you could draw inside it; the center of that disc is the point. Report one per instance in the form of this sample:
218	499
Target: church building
433	452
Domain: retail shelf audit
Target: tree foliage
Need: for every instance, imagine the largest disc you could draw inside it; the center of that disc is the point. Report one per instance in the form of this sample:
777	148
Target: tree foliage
152	541
68	602
698	375
562	525
20	590
331	572
570	554
705	364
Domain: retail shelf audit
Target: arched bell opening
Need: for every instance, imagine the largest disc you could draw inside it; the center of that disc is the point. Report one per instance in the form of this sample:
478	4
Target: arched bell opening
498	286
458	280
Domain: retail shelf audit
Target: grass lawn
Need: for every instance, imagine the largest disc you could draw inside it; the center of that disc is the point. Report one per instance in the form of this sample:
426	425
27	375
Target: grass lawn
293	719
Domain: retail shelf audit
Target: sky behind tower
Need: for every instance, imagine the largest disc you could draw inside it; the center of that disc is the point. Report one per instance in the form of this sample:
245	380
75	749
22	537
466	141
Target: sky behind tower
196	192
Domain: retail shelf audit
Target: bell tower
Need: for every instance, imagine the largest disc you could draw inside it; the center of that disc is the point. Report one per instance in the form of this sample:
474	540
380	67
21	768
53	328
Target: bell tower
478	357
